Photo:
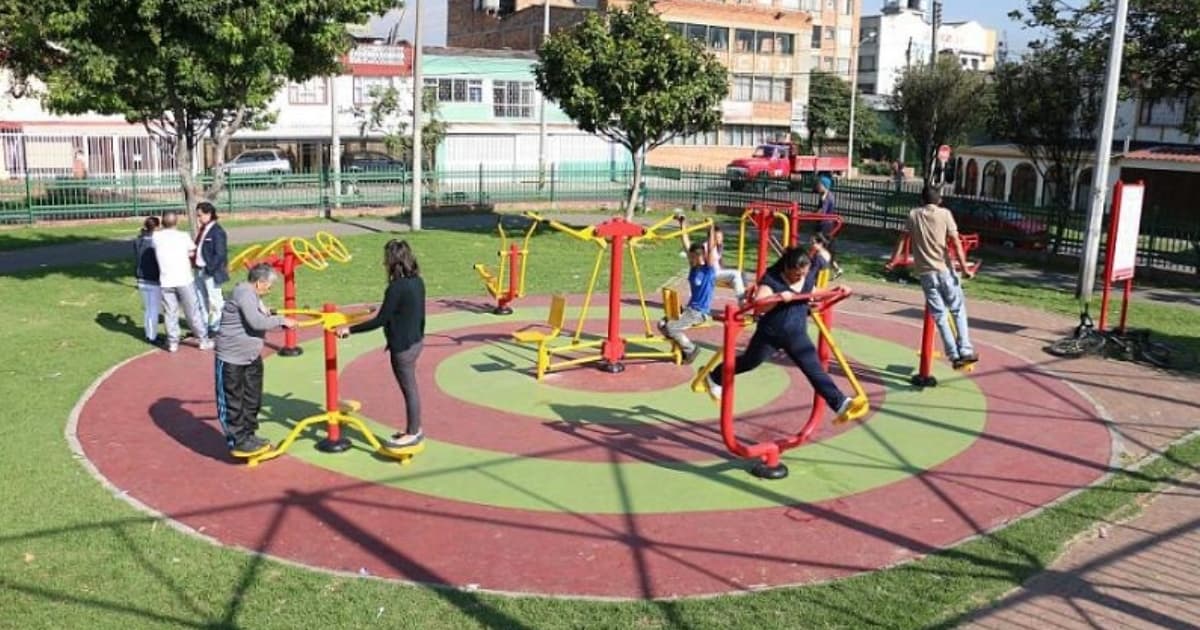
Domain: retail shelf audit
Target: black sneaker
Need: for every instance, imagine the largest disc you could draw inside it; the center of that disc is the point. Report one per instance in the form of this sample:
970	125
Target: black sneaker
250	445
966	360
689	357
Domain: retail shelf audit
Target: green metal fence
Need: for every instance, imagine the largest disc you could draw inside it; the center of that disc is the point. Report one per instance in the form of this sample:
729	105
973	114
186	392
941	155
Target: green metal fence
865	203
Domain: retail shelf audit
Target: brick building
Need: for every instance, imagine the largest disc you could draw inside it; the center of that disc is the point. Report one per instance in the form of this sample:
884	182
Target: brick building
769	46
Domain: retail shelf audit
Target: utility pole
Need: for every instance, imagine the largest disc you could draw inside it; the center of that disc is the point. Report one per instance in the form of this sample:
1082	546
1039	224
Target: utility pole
418	117
1091	249
335	145
937	21
853	101
542	102
907	65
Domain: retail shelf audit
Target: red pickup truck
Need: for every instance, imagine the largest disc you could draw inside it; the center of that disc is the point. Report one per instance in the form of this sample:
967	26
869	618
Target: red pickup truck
778	162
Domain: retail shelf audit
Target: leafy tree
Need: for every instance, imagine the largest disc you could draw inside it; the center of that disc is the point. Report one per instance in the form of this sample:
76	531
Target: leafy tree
627	76
186	69
1048	104
829	113
1162	43
938	104
389	116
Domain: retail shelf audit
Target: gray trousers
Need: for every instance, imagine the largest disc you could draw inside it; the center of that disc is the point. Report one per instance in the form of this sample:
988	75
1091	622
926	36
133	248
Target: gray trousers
674	329
173	298
404	367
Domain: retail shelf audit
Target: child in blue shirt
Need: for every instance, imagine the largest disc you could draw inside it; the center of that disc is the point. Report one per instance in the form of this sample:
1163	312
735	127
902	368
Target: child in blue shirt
702	279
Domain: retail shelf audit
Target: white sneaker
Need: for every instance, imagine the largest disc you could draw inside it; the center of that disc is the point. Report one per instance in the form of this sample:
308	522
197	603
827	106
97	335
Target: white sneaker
401	440
714	390
173	347
207	344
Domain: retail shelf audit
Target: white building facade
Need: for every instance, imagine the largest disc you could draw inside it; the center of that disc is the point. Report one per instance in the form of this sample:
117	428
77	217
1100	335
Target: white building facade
901	35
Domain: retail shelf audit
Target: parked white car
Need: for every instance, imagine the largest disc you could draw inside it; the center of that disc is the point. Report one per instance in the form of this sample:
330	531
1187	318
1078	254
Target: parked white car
259	161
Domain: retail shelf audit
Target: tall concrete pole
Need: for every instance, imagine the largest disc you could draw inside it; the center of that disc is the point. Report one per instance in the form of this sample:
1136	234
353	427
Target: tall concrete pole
335	145
418	117
542	101
1091	240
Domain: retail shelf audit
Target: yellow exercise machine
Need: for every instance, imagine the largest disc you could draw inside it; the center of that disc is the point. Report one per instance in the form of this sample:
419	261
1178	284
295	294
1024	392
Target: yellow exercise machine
514	260
611	237
283	254
337	412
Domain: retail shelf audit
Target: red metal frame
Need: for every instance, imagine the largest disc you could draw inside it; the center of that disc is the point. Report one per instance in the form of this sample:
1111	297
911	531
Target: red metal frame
1110	251
333	429
970	242
617	231
769	452
286	266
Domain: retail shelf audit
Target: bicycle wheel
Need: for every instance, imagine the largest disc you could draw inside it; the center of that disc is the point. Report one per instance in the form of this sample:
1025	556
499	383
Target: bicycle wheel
1166	356
1073	347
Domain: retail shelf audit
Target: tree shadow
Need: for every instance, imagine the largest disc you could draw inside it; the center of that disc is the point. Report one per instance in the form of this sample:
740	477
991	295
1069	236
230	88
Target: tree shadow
121	323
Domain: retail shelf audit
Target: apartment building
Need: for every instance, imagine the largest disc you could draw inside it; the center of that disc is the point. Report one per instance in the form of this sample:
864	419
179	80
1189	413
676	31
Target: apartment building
769	46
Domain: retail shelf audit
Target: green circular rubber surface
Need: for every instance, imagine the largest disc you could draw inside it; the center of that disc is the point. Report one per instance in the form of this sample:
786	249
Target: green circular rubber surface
915	431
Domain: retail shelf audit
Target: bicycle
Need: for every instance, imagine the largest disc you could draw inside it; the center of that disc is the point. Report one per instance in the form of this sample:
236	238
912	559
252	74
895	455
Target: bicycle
1128	345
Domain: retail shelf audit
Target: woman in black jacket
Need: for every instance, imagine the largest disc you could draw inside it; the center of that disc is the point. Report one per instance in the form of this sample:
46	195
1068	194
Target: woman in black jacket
145	269
402	316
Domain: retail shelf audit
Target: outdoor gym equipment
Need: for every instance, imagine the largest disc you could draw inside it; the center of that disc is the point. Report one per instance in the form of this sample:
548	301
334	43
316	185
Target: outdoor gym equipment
611	237
763	215
337	412
904	260
514	259
768	466
285	255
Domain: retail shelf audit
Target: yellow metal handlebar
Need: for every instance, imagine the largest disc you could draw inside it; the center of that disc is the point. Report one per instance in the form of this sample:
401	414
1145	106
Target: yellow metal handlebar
652	234
585	234
328	321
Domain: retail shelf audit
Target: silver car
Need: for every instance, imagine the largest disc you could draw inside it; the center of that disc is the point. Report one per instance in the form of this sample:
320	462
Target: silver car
258	161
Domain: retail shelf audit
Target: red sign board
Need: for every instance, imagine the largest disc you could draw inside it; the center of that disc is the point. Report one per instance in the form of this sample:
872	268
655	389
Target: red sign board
944	153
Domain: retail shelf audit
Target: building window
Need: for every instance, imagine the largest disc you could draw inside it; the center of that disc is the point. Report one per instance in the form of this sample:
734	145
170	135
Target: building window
785	43
848	7
766	43
816	37
751	135
706	138
718	38
742	88
869	34
311	92
827	63
513	99
743	40
456	90
866	62
1163	112
843	65
367	90
866	88
843	36
762	89
697	33
830	33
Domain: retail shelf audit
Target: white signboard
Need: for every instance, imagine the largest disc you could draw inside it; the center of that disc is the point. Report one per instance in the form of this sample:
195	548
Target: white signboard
1128	209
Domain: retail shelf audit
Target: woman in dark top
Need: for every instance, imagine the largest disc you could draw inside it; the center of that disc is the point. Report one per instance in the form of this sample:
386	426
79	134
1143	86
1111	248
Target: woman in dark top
145	269
784	326
402	316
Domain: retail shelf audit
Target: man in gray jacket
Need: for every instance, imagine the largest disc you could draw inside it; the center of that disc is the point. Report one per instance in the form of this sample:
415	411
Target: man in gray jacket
245	320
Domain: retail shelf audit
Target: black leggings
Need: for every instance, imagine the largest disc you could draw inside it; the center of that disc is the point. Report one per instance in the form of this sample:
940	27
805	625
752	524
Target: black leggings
800	350
404	366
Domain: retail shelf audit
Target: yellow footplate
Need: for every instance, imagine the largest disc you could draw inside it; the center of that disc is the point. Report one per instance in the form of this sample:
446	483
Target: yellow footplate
349	406
403	454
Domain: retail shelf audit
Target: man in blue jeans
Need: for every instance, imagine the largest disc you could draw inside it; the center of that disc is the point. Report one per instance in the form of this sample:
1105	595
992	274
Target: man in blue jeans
930	227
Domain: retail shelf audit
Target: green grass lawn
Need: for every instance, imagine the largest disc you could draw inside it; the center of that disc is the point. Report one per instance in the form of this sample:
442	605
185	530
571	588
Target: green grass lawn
72	555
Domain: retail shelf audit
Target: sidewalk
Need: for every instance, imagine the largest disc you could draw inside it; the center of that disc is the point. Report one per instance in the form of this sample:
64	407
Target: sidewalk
1144	573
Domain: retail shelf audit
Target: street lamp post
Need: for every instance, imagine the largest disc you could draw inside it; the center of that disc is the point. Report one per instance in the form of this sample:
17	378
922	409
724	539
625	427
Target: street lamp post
854	98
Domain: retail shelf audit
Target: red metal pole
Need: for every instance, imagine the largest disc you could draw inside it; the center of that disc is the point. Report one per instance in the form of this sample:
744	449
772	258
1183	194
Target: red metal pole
924	377
290	349
764	237
733	327
614	347
513	270
1109	251
1125	303
333	442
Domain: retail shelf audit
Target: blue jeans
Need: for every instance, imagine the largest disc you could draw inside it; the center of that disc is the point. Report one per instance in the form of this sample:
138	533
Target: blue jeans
944	295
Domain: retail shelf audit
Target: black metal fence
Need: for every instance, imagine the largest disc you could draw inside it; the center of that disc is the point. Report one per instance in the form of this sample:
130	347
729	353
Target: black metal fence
880	205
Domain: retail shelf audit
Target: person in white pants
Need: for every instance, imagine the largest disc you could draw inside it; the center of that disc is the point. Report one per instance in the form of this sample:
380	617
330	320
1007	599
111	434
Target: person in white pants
146	272
212	264
173	250
730	277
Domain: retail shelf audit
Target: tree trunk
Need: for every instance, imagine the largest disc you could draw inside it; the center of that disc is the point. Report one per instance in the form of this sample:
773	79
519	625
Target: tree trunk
631	204
187	180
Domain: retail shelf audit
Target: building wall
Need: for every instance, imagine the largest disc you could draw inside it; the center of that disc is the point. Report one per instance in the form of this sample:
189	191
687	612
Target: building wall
1144	121
884	59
